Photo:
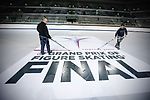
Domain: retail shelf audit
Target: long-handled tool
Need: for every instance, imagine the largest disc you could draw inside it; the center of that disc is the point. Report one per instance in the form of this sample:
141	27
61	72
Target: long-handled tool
106	43
59	44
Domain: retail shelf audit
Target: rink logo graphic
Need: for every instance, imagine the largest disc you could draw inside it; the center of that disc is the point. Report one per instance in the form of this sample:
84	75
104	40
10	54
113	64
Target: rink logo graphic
76	40
105	68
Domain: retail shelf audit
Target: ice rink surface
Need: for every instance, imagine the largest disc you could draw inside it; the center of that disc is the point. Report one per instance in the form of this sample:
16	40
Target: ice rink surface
19	42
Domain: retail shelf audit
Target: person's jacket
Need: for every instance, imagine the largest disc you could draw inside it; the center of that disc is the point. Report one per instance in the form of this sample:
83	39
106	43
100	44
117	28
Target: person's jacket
42	29
121	32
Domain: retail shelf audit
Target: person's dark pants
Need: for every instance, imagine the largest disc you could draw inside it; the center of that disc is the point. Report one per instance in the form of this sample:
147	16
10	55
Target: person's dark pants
44	41
119	39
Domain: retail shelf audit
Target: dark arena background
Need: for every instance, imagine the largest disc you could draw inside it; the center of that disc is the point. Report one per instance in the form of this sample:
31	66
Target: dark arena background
84	63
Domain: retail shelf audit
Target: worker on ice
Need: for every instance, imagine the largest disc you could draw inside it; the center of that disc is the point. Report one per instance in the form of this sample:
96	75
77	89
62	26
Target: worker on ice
120	34
44	35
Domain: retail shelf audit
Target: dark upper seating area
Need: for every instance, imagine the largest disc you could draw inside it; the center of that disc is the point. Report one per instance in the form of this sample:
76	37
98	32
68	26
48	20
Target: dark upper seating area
90	12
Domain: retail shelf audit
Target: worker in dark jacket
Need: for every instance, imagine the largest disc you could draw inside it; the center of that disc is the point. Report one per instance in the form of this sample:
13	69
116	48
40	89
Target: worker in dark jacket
120	34
44	35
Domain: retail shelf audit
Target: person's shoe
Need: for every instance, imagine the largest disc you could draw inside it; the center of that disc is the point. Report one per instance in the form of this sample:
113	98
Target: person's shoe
50	52
117	47
42	53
